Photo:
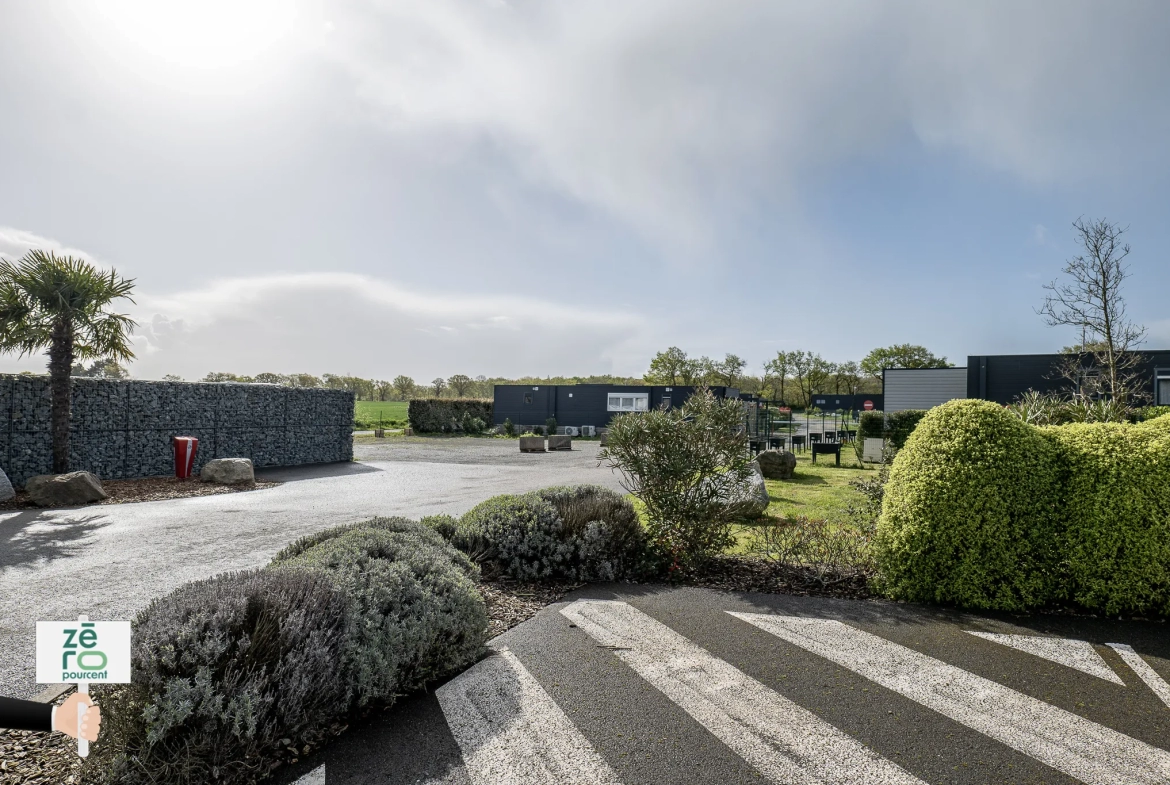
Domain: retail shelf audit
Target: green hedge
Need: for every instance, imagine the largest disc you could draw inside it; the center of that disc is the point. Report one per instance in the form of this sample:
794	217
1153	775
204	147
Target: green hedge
872	425
1116	507
446	415
969	510
985	511
895	426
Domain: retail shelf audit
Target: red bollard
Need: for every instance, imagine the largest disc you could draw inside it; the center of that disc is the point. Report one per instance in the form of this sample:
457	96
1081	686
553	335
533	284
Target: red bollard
185	448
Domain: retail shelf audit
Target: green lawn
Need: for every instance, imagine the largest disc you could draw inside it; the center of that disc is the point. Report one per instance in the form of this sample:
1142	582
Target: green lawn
818	490
371	413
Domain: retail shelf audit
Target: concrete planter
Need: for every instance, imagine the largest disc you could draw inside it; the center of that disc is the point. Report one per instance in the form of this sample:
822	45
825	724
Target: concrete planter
560	443
532	444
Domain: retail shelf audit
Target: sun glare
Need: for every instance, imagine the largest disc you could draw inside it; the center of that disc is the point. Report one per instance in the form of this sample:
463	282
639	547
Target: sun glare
207	34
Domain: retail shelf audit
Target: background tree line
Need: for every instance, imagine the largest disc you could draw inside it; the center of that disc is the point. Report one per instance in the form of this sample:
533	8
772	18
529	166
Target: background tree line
791	376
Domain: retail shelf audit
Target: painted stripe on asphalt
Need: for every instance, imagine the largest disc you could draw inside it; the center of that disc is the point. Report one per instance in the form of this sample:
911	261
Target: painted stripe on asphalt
785	742
1143	670
1069	652
1091	753
510	730
314	777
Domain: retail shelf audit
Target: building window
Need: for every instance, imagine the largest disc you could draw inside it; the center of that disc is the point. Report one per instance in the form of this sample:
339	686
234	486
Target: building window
628	402
527	397
1162	387
666	402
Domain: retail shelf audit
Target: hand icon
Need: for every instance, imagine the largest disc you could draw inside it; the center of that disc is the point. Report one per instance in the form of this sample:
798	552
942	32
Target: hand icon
65	718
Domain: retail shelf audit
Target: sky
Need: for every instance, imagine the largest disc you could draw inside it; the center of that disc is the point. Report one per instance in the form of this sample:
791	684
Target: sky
547	187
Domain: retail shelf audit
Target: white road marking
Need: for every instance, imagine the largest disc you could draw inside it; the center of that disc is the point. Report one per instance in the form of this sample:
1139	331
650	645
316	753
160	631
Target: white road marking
314	777
1091	753
785	742
1079	655
511	732
1143	670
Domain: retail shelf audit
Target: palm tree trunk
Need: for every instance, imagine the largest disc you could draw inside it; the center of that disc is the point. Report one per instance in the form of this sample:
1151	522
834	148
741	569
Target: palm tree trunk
60	366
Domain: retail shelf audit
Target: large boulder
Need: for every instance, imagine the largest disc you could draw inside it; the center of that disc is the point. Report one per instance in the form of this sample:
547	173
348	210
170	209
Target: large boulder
751	499
776	465
6	491
64	490
228	471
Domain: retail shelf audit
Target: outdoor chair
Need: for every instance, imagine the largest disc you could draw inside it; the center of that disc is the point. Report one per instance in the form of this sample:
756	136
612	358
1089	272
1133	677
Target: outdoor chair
798	441
814	438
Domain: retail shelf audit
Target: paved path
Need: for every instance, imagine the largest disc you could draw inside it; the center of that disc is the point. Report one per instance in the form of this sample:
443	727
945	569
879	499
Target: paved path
630	685
110	561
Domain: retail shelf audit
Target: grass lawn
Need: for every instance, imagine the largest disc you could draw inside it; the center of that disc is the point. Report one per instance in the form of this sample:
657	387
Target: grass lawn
372	412
819	490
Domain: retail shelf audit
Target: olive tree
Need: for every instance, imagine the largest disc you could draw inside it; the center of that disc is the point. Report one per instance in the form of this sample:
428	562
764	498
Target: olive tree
688	467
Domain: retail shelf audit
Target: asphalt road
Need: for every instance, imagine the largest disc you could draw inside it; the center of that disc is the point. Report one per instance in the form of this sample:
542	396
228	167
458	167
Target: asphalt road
624	684
110	561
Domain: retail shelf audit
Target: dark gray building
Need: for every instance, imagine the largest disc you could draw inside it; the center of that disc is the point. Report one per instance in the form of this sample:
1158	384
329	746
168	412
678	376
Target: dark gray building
1003	378
576	405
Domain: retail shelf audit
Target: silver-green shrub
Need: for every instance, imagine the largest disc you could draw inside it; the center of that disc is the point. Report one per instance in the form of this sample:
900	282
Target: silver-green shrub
414	612
223	670
518	536
605	528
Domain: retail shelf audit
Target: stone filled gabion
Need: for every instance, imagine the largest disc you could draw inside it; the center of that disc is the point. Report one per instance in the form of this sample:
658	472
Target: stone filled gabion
123	429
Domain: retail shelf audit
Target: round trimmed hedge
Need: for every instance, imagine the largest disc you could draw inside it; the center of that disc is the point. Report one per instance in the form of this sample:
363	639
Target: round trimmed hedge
970	511
985	511
414	614
223	670
582	532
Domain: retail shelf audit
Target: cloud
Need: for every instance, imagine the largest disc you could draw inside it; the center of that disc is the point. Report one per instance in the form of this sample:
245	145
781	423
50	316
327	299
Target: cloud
15	243
355	324
669	113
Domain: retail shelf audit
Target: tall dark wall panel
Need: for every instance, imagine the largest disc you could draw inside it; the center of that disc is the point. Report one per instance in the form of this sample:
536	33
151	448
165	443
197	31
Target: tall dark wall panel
122	429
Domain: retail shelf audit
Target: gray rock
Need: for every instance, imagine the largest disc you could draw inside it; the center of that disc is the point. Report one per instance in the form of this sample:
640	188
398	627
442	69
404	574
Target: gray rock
751	499
64	490
776	464
228	471
6	491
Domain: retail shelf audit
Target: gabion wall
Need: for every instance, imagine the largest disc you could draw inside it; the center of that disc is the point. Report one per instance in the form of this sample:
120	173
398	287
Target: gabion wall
123	429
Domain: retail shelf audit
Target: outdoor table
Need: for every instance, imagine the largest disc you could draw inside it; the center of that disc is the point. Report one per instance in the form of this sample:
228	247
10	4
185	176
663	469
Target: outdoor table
827	449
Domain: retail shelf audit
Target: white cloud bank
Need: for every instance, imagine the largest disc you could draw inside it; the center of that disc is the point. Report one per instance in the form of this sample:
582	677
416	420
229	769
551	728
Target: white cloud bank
357	324
346	323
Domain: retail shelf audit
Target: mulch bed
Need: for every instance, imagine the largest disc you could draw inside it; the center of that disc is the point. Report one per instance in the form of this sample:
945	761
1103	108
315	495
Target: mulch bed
148	489
744	573
29	758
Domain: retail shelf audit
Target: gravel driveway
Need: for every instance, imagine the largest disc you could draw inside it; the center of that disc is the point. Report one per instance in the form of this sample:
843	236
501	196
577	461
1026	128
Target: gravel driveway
110	561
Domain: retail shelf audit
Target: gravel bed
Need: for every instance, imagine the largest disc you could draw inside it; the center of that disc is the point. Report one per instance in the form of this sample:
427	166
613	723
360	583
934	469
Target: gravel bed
148	489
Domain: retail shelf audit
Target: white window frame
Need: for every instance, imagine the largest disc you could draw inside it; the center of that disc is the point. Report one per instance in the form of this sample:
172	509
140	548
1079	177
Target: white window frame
627	402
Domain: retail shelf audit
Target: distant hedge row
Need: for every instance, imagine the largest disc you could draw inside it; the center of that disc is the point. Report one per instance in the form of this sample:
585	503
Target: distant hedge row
895	426
986	511
447	415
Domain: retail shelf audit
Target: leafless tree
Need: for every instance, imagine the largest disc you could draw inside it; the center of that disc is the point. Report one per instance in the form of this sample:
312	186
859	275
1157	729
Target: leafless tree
1089	298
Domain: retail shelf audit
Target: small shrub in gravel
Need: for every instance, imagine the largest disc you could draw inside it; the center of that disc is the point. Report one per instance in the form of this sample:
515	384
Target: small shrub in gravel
227	672
414	612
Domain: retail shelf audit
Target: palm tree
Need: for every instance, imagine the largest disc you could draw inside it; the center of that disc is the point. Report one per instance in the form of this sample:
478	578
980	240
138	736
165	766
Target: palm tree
59	303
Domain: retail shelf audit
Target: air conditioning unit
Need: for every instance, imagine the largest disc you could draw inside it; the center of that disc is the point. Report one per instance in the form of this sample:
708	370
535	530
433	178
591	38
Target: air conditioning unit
588	430
571	431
